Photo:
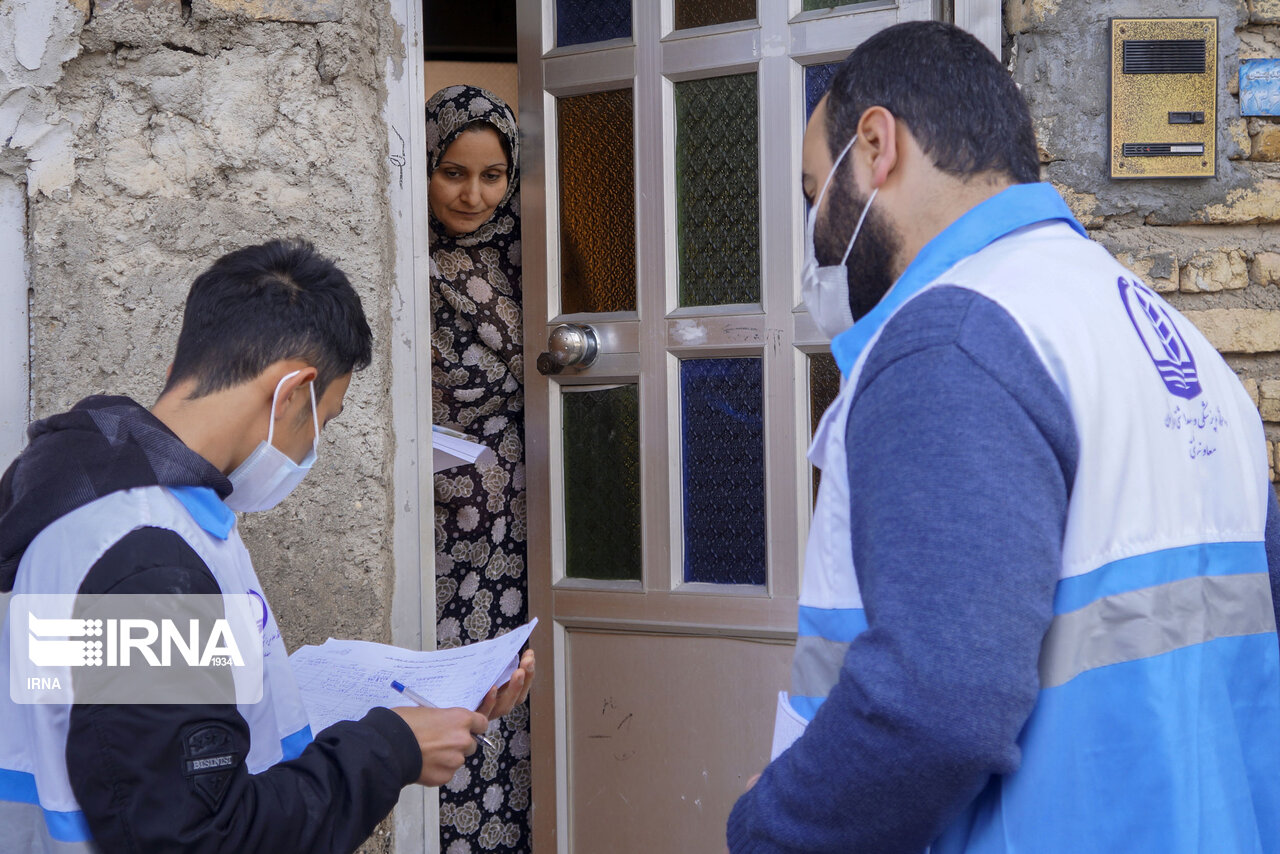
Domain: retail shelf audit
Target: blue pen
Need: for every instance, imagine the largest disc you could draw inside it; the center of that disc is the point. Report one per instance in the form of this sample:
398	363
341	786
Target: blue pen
425	703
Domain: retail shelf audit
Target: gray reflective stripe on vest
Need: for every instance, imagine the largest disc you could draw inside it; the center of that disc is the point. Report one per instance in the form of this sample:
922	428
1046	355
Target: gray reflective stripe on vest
23	830
816	666
1115	629
1155	620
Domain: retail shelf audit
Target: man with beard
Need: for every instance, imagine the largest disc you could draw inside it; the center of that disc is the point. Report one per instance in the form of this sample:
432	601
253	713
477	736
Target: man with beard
1037	610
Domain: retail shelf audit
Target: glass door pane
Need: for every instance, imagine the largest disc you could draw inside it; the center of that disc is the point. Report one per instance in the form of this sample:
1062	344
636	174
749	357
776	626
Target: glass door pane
587	21
602	482
818	5
597	202
816	80
824	385
703	13
718	190
722	426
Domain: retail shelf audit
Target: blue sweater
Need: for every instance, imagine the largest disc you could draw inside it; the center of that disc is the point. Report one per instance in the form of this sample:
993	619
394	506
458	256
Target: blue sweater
961	454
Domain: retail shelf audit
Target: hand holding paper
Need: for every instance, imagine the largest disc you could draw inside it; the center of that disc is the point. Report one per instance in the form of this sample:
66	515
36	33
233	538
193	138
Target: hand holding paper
787	726
343	680
451	448
500	701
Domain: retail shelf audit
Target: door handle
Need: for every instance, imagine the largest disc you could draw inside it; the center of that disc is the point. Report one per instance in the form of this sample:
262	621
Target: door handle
570	345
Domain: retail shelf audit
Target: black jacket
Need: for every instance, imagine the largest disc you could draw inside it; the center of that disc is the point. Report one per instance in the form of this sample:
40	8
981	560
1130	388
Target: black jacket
128	764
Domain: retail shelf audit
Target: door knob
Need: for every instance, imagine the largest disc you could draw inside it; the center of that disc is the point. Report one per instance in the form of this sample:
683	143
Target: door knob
569	345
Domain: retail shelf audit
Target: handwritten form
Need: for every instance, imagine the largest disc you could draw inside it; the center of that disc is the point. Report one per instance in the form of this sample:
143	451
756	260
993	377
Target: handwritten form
451	448
341	680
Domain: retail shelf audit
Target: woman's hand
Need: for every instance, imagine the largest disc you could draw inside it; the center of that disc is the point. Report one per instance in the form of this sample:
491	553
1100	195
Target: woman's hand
500	701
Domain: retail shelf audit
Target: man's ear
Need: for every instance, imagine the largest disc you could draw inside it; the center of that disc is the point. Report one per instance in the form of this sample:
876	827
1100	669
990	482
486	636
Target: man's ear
294	385
878	141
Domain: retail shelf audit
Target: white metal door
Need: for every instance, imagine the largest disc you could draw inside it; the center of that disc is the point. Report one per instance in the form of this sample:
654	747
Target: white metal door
669	497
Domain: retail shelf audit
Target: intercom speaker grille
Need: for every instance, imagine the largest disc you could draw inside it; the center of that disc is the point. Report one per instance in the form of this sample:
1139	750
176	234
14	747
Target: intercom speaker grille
1164	56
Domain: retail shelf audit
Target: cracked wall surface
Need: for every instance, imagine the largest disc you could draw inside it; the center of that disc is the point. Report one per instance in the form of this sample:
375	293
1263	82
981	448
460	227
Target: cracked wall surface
152	137
1212	246
38	137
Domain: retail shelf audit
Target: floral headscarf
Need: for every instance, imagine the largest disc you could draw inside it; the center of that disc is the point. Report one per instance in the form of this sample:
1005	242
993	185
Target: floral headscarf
449	112
477	351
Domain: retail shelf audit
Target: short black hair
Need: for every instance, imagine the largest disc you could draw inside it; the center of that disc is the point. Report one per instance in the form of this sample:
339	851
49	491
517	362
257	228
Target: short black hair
959	102
260	304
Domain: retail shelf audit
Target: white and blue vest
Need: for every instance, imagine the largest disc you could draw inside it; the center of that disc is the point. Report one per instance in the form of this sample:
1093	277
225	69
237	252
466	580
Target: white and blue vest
38	811
1157	727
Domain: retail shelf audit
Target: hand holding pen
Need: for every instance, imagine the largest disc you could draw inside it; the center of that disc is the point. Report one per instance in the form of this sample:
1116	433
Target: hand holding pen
410	694
444	737
447	736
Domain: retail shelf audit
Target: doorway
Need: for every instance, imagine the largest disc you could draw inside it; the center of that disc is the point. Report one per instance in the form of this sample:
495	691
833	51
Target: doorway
669	496
479	562
472	43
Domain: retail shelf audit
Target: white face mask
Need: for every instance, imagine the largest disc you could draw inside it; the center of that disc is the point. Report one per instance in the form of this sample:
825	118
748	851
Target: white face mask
826	289
267	475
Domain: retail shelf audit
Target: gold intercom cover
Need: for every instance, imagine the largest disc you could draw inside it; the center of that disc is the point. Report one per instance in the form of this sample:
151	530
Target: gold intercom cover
1164	97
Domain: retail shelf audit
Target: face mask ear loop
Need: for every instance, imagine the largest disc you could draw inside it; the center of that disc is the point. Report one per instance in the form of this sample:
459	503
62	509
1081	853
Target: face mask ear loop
315	418
271	419
857	228
813	220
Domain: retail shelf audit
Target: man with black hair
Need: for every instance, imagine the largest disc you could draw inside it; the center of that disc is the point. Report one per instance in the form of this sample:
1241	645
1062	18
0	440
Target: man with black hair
110	498
1037	609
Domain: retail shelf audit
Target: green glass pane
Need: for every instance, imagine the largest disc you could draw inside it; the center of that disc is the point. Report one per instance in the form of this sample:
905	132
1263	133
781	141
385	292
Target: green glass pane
602	482
597	202
703	13
718	190
824	385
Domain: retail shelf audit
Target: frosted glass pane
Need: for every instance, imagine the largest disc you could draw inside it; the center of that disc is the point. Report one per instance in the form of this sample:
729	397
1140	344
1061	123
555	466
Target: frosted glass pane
724	488
816	80
597	202
602	482
586	21
703	13
718	190
824	385
815	5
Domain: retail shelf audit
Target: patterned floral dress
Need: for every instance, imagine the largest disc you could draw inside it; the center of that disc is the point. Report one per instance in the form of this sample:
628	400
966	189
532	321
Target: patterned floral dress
478	389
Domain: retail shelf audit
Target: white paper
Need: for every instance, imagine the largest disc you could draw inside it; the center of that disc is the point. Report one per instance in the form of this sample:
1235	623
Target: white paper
450	448
341	680
787	726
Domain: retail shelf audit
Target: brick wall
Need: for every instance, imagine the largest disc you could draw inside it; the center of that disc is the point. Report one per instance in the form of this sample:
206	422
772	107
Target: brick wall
1211	246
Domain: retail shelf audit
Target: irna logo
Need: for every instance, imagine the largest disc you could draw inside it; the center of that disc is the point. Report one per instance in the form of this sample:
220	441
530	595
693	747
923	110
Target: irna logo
134	648
116	642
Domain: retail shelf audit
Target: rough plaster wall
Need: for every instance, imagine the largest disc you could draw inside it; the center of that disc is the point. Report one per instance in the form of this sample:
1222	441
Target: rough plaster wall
41	36
197	128
1210	245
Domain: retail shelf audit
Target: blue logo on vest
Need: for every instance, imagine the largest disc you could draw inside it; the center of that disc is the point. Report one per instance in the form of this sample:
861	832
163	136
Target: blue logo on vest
1164	343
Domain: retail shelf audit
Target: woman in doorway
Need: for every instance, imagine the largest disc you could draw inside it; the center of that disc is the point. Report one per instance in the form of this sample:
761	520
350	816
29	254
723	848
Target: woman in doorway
473	150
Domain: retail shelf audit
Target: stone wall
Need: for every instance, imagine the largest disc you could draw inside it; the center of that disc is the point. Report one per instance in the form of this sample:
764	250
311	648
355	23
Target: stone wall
155	135
1212	246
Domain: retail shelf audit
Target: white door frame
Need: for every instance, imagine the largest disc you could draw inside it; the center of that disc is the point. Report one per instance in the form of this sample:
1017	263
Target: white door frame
413	609
15	331
15	337
983	18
